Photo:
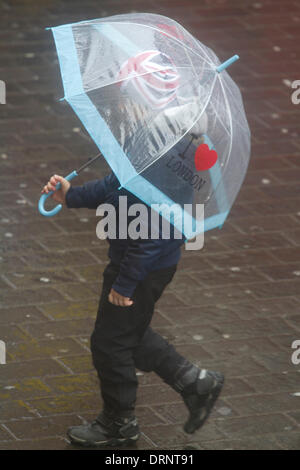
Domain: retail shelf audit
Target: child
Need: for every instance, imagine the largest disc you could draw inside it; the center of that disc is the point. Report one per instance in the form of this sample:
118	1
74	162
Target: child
122	340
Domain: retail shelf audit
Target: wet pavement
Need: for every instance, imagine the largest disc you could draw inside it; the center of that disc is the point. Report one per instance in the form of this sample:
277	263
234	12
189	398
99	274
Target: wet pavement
234	306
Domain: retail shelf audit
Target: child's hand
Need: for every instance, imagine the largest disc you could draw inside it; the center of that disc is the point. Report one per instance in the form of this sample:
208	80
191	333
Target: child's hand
60	194
118	299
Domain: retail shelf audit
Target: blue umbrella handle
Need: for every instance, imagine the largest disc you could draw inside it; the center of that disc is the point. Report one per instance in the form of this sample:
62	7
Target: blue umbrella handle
45	196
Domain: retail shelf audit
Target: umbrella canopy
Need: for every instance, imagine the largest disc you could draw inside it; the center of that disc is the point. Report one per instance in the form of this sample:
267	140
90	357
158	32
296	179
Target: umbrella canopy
170	123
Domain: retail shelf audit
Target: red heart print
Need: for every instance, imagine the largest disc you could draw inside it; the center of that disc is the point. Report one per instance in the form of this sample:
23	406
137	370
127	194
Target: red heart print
205	158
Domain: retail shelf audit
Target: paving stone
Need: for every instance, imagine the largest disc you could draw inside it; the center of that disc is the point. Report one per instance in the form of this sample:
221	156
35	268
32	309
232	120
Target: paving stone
270	383
159	320
256	241
238	387
249	426
38	444
239	259
216	295
284	341
264	308
67	404
17	315
264	403
264	223
20	231
149	416
74	383
260	327
32	368
70	241
250	443
277	362
201	315
90	273
165	436
13	334
37	278
15	409
26	388
233	275
60	329
46	348
11	263
287	255
290	441
189	263
71	310
273	289
63	258
170	300
41	428
265	208
11	251
26	297
78	364
4	435
295	415
228	348
279	272
78	291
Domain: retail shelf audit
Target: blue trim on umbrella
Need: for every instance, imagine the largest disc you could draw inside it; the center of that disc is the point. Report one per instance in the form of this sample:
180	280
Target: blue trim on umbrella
216	179
67	56
215	221
105	140
78	100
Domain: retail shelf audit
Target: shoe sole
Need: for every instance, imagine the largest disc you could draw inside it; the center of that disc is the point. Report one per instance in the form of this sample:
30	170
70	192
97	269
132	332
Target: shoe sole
196	422
109	443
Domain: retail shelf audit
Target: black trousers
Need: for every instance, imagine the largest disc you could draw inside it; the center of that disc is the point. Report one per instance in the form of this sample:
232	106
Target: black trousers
123	341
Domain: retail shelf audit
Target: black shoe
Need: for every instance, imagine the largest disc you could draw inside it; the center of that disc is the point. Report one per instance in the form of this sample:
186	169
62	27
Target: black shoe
106	431
200	390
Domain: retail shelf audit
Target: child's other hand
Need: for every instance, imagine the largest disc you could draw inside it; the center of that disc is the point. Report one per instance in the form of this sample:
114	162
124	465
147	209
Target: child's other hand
60	194
118	299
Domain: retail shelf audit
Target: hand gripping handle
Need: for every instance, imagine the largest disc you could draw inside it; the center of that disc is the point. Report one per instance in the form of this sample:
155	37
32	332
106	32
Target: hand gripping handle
45	196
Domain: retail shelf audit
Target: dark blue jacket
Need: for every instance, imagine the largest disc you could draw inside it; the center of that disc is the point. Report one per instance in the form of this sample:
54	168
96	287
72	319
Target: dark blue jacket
136	258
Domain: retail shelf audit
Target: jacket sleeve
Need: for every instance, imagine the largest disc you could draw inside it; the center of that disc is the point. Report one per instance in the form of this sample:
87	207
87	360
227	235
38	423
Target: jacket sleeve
138	261
92	193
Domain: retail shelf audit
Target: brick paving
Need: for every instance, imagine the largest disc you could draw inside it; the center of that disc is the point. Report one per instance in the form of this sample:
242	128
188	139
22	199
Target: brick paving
234	306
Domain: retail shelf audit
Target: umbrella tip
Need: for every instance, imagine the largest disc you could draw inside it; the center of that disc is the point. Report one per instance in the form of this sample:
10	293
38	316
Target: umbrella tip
226	64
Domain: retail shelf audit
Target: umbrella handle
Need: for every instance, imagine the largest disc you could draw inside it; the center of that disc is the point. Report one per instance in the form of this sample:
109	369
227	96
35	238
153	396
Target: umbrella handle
45	196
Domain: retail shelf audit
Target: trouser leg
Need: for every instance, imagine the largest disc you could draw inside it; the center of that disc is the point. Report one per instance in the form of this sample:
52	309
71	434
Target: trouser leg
155	354
117	335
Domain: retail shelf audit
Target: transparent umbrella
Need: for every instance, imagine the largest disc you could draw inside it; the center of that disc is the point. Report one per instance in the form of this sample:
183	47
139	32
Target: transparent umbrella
162	110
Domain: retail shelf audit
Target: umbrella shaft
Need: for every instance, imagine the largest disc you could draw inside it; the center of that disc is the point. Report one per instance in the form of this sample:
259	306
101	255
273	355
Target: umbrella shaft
88	163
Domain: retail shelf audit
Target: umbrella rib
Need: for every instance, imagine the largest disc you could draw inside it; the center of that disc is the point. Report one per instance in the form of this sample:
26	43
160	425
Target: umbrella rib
237	122
230	118
163	32
209	61
134	76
